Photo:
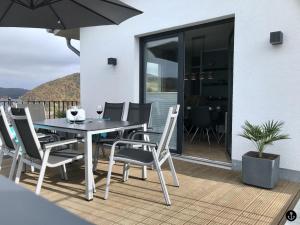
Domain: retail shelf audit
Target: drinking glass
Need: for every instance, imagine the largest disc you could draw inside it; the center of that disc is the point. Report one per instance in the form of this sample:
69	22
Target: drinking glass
99	110
74	112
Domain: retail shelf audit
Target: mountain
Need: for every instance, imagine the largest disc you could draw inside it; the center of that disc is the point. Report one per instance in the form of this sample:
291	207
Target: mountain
63	89
13	93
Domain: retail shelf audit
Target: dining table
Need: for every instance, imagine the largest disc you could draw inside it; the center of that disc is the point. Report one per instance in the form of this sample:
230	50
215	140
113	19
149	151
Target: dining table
87	129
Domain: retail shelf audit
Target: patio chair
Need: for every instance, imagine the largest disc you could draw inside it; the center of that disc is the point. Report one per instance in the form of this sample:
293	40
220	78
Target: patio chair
156	155
38	113
34	154
138	113
112	111
9	146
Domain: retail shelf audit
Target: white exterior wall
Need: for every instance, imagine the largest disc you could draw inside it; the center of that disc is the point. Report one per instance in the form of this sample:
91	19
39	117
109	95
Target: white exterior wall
266	78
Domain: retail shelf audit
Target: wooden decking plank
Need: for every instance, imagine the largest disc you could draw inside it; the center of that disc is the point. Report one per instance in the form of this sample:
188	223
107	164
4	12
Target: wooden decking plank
206	196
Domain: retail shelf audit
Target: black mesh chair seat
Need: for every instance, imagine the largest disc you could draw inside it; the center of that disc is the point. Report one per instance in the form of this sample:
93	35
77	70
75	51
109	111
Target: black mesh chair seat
52	138
136	155
67	153
55	159
59	156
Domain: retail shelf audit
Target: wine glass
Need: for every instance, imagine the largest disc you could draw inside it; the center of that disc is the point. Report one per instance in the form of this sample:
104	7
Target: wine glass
99	110
74	112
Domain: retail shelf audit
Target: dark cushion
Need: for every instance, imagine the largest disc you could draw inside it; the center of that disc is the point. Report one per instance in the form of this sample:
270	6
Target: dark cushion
138	155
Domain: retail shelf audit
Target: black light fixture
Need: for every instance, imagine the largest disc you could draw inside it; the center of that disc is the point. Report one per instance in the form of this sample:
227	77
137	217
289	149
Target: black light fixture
112	61
210	76
276	38
201	75
193	77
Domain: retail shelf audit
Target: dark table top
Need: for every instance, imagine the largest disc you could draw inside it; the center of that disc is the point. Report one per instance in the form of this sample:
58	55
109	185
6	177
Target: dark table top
87	125
20	206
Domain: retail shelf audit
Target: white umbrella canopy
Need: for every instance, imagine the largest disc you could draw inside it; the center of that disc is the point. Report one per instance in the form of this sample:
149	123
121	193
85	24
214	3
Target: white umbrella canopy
63	14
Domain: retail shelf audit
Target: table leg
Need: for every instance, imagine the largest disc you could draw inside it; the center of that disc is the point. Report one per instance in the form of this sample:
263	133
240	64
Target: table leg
88	153
144	169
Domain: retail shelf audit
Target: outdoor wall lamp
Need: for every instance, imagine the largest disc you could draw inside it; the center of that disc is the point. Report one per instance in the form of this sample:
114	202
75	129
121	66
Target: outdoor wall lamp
112	61
276	38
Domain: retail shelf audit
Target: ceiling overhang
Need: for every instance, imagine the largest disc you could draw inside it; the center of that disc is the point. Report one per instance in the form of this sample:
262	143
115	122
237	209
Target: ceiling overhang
69	34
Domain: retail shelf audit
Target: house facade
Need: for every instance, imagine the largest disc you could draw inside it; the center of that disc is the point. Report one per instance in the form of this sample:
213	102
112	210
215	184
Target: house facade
208	51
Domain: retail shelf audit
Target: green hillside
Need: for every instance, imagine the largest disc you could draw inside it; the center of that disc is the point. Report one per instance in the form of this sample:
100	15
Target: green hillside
63	89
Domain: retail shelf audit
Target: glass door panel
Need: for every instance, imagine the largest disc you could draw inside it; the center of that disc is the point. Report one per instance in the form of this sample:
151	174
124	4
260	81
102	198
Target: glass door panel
161	80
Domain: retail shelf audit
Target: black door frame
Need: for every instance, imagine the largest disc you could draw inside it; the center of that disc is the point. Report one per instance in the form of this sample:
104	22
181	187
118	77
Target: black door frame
180	87
180	83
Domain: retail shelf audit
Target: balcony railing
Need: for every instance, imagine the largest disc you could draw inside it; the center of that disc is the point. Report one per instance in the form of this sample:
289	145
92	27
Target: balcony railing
52	108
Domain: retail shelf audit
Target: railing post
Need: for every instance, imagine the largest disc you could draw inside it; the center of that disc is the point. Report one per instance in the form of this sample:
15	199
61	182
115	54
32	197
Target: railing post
49	107
54	110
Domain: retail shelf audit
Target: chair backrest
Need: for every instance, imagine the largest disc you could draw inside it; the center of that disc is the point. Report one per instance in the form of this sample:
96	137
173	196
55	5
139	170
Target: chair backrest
200	116
26	134
5	133
37	111
163	145
113	111
139	112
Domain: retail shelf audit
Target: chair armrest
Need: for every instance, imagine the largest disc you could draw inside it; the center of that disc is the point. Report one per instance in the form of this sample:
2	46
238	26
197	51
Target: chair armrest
134	142
145	132
150	132
41	135
60	143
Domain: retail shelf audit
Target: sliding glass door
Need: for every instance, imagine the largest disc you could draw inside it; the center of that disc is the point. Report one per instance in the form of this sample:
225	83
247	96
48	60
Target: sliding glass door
160	73
192	67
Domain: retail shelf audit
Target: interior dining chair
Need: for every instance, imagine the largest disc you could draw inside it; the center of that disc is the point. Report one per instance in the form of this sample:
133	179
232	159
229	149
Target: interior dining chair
36	155
201	120
8	147
155	155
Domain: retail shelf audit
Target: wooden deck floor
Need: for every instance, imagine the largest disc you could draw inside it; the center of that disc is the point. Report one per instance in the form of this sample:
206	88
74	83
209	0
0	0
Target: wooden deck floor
206	196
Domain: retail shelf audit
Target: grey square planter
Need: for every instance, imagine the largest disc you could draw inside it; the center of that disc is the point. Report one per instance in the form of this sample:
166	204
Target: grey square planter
260	172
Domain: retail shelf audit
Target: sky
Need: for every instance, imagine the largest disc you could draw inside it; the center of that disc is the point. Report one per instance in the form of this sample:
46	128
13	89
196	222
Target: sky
30	57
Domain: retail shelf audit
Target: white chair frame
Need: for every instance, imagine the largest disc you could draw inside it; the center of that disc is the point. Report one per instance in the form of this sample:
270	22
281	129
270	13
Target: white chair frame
4	149
44	153
160	155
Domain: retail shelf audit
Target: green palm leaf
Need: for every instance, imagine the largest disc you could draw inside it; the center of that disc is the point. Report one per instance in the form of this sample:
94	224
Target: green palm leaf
263	135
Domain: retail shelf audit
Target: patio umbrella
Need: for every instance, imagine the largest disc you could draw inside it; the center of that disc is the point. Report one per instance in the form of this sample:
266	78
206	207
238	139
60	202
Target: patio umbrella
63	14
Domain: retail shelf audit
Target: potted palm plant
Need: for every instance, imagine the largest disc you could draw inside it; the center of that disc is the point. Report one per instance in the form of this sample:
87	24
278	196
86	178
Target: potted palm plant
259	168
